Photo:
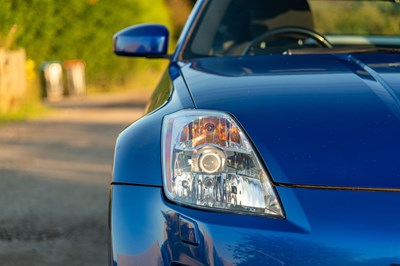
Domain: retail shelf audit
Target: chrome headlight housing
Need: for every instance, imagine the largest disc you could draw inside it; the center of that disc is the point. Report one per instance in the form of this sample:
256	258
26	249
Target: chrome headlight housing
208	162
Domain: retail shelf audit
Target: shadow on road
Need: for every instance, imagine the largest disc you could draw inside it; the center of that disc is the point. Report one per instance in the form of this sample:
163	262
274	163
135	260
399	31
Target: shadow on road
55	174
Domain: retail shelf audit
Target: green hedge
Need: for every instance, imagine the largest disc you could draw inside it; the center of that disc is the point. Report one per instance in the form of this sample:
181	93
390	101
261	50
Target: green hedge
79	29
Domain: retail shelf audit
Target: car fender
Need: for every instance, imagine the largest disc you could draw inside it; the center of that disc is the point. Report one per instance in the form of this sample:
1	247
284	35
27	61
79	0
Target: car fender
137	157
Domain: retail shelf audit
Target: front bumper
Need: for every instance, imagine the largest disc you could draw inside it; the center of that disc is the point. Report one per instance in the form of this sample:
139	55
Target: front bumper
322	227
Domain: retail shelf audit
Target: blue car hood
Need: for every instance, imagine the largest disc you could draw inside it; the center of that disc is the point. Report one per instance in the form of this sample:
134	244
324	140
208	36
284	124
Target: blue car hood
326	120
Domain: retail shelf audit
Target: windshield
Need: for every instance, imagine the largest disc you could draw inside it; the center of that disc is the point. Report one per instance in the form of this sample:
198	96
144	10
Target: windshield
259	27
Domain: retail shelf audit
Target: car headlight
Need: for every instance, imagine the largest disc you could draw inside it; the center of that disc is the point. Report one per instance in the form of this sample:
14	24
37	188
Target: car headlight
208	162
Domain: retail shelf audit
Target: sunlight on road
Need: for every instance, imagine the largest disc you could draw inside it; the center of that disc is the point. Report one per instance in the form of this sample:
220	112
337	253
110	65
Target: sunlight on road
55	173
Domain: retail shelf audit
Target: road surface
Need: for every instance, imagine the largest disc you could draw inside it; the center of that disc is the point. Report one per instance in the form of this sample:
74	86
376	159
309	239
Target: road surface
55	174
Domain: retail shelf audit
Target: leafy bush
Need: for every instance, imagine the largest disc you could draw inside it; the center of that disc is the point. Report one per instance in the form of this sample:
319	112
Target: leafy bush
80	29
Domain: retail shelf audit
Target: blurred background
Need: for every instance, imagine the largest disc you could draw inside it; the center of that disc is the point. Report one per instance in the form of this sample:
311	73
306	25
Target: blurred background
64	98
50	31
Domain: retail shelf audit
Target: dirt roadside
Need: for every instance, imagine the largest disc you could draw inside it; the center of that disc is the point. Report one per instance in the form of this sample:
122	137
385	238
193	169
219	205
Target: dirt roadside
55	173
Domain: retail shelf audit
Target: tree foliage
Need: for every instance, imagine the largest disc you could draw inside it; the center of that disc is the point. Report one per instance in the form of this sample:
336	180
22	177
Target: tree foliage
363	18
79	29
179	10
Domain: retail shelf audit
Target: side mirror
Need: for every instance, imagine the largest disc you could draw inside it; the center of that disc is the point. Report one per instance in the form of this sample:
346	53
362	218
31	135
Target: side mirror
143	40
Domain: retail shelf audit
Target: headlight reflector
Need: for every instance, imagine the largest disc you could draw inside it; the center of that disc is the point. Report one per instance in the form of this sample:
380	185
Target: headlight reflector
208	162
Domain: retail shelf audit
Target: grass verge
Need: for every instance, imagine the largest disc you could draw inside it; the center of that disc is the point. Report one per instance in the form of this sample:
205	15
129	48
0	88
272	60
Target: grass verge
28	110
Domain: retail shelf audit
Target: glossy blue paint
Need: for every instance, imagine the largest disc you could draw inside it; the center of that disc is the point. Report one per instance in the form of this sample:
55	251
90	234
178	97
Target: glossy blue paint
315	119
144	40
323	227
138	149
387	67
188	231
326	120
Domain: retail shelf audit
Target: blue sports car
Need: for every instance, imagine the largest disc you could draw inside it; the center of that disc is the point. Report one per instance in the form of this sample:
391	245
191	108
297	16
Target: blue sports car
273	138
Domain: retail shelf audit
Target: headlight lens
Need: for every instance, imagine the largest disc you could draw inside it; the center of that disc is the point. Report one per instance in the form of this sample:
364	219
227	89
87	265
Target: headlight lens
209	162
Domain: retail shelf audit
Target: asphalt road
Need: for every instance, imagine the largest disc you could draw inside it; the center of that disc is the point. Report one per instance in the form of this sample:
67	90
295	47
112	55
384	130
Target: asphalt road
54	174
